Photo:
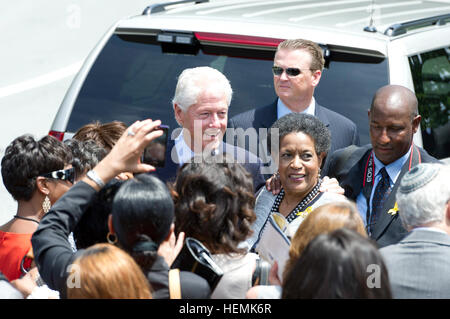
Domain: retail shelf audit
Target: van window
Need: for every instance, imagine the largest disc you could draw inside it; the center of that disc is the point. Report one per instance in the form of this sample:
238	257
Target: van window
134	77
431	76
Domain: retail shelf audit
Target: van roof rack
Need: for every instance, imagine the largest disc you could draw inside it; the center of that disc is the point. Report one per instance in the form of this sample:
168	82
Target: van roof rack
160	7
402	28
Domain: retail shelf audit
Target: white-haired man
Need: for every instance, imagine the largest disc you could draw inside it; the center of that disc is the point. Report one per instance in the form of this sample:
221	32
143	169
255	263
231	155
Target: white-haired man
418	264
201	101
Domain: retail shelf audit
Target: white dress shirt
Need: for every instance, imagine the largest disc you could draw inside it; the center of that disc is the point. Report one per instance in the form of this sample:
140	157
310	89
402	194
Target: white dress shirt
283	110
184	152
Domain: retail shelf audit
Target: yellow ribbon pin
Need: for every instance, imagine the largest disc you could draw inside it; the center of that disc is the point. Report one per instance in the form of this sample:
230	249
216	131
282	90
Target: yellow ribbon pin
305	212
393	211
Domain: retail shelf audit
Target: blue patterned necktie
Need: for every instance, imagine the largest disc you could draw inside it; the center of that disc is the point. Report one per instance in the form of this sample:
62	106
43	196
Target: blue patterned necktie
380	195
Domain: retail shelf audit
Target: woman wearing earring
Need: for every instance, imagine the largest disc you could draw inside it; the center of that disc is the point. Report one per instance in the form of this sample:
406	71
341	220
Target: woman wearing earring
36	174
303	145
141	221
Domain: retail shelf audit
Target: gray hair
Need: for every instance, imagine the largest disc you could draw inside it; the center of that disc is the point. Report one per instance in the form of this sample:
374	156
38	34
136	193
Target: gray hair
423	194
192	82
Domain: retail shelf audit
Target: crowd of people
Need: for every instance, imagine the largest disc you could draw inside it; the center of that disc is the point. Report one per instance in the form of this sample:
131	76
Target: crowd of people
334	220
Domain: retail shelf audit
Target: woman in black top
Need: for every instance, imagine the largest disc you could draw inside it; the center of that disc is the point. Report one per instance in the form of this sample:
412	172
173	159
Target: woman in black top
142	219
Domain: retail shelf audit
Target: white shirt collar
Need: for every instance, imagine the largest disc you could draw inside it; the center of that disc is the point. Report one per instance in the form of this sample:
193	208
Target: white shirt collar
283	110
393	169
184	152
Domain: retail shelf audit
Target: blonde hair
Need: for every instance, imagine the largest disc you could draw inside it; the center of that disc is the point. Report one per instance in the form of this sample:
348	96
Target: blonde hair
324	219
317	59
107	272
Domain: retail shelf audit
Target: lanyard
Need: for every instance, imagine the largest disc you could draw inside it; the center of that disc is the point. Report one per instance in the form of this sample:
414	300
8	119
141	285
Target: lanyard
369	175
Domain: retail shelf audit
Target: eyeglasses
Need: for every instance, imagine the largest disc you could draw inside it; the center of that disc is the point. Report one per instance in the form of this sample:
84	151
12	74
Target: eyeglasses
62	174
277	71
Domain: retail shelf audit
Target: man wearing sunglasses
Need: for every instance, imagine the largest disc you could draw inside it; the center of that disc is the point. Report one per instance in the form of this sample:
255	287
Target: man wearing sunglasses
297	70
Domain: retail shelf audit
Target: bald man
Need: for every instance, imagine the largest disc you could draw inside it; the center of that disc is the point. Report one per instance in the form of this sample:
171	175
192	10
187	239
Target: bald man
370	174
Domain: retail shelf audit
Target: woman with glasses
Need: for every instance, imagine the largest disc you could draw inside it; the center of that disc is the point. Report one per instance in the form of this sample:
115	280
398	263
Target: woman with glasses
36	174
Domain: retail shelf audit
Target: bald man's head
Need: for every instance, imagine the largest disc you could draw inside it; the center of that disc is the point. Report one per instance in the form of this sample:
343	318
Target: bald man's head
393	120
396	96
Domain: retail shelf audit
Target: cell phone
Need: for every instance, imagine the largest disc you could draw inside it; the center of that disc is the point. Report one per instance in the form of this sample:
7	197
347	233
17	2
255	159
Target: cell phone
155	152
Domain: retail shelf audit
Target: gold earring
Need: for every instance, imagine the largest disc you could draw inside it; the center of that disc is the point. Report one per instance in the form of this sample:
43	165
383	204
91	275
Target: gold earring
109	240
46	204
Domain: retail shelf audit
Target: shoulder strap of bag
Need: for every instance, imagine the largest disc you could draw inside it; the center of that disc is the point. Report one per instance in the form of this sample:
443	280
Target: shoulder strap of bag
174	284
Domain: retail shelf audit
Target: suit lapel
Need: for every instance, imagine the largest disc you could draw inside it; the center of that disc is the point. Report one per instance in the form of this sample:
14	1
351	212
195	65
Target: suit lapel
267	115
321	115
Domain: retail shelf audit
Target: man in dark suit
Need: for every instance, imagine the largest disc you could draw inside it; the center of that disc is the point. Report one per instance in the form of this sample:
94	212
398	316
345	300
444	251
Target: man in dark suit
201	101
418	264
369	174
297	70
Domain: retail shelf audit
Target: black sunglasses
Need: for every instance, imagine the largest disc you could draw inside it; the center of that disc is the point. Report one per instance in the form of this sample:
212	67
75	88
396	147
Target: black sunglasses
289	71
62	174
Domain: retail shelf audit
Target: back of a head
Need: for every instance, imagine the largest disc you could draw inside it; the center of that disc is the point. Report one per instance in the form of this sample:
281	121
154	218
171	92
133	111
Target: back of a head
322	220
104	271
338	265
86	154
25	159
105	135
214	203
142	215
423	195
396	96
92	228
192	82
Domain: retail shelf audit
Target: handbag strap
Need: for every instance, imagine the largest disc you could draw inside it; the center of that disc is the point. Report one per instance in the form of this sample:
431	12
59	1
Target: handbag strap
174	284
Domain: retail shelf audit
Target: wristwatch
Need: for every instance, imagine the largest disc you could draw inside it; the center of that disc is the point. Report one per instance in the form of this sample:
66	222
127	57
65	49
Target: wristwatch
92	175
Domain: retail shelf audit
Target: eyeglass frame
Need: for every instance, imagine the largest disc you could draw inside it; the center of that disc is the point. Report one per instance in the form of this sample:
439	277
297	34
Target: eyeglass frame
290	72
68	175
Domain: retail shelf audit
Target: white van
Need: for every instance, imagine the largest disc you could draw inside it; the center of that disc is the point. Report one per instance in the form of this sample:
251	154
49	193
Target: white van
132	72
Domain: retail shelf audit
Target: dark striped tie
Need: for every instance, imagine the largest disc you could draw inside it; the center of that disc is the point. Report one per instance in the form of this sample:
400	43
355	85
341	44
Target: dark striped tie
380	195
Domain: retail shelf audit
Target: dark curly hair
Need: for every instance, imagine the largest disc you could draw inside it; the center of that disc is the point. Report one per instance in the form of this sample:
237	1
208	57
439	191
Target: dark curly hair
214	203
304	123
25	159
86	154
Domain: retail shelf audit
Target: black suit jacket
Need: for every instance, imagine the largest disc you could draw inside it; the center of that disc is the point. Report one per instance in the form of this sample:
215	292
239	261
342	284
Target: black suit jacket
250	162
343	131
348	167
